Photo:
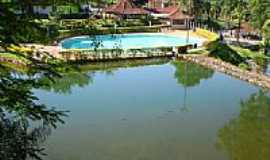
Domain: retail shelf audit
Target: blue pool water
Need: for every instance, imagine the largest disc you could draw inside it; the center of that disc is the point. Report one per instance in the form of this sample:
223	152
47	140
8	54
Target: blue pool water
127	41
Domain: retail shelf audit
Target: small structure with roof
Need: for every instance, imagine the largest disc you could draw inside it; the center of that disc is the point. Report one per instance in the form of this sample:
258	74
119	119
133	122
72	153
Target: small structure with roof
170	12
125	9
178	19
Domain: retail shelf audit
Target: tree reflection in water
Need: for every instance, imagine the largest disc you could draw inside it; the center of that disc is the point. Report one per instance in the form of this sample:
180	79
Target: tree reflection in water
81	75
190	75
64	83
18	109
247	137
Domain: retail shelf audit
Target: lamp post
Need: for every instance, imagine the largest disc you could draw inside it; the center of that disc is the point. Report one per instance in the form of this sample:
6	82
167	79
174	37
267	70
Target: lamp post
188	22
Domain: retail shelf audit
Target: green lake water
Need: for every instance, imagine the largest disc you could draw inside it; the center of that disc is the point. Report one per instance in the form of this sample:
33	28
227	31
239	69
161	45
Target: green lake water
165	111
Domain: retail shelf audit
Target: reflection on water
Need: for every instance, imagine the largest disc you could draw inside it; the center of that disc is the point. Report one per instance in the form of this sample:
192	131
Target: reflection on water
64	83
267	70
191	74
247	137
127	110
82	77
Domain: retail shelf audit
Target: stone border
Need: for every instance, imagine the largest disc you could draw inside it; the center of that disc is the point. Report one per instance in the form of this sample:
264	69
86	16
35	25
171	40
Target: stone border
255	78
115	54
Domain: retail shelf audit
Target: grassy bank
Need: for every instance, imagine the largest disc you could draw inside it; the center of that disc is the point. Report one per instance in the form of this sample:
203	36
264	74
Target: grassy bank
235	55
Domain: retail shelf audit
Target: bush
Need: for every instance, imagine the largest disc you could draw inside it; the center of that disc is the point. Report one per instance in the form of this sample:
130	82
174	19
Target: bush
243	66
96	31
82	23
225	53
261	61
67	9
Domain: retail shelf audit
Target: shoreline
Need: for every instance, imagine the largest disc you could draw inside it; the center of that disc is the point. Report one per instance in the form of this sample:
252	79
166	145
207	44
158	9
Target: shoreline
254	78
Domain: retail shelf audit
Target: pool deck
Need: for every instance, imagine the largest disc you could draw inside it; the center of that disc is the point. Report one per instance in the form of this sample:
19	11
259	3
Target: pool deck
180	33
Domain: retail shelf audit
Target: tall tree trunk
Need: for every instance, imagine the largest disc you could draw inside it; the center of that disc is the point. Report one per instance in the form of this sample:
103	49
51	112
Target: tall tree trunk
239	29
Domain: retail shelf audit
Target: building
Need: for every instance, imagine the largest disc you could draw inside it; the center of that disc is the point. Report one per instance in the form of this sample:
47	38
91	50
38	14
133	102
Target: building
124	9
170	12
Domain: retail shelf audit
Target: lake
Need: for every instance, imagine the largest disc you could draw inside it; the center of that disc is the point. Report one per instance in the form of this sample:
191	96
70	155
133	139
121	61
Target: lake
162	110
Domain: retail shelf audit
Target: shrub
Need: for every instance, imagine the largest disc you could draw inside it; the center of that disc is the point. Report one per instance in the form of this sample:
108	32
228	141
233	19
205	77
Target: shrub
99	31
243	66
225	53
67	9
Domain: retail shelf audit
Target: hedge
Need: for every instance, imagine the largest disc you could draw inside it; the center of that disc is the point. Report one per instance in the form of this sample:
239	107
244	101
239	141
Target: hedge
121	30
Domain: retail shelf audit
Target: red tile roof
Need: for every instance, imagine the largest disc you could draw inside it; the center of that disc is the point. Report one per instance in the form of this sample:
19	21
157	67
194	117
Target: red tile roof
178	14
125	7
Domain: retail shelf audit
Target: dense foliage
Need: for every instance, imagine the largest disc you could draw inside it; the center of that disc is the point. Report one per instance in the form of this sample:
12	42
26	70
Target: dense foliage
225	53
18	106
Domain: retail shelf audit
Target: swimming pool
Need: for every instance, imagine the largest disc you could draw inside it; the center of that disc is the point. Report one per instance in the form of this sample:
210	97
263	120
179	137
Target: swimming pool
128	41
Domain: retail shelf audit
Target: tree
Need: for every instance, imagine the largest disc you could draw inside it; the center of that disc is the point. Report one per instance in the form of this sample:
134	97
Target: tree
19	107
260	12
227	10
19	142
266	33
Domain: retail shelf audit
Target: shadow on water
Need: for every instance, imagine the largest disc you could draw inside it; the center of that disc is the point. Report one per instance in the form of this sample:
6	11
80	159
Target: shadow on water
247	137
19	109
